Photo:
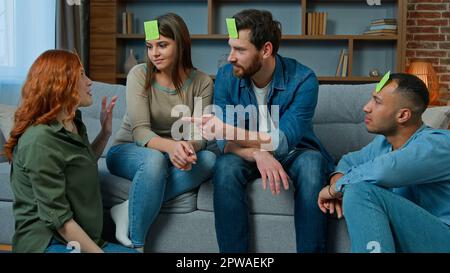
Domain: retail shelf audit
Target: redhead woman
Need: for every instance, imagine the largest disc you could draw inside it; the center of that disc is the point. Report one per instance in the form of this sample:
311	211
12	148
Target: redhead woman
54	176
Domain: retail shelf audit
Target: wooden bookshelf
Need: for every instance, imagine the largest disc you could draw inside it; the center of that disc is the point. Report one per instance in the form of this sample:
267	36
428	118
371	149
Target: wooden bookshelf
108	47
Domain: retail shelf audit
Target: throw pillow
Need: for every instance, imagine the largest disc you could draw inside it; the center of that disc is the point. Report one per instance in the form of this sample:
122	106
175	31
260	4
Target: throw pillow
437	117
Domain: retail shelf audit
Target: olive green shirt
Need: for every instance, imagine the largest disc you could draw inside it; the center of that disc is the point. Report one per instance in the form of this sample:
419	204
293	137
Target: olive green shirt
54	178
149	112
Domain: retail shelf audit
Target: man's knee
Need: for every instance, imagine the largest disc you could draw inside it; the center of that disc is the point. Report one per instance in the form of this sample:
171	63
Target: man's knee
309	168
356	194
227	167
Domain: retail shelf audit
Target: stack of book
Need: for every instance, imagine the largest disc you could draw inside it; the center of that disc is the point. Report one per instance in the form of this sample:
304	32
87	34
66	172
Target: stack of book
317	23
382	27
341	70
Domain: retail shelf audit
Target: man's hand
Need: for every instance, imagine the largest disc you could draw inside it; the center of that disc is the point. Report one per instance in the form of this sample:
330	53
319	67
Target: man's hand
106	116
329	199
182	155
270	168
210	126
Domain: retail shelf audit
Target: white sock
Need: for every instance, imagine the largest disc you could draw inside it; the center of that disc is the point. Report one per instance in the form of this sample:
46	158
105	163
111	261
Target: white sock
119	214
140	249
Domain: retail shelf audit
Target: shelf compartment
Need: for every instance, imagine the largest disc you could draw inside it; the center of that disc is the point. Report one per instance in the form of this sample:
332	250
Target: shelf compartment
287	12
149	10
340	19
368	55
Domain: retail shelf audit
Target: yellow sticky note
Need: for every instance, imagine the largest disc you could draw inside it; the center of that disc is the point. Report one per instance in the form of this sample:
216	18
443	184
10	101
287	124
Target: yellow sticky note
383	81
151	30
232	29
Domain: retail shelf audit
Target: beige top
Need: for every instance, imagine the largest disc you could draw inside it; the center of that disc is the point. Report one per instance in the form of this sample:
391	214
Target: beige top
152	112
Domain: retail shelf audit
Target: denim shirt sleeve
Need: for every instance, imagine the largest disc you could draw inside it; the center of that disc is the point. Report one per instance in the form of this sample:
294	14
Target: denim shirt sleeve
423	160
297	120
356	158
280	142
221	99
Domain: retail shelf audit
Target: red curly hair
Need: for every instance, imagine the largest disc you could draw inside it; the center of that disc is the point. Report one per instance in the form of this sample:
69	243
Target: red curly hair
50	88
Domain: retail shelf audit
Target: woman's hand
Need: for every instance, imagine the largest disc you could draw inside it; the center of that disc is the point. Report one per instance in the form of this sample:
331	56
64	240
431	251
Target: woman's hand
106	116
182	155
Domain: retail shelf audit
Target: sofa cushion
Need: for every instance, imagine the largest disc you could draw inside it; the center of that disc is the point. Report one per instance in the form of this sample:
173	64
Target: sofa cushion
342	103
7	223
115	190
6	123
2	142
340	138
437	117
6	118
91	114
99	90
5	185
339	118
93	128
259	201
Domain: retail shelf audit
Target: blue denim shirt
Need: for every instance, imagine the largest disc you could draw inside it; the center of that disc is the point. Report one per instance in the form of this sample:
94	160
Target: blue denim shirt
294	88
419	170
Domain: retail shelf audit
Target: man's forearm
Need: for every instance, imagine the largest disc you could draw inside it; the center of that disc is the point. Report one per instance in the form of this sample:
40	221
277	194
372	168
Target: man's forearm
245	153
249	139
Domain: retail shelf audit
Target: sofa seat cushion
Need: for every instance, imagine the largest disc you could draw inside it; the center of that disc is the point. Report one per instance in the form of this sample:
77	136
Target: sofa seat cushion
5	186
260	201
115	190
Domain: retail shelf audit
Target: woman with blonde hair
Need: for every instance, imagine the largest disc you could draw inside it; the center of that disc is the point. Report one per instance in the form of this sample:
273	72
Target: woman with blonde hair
54	175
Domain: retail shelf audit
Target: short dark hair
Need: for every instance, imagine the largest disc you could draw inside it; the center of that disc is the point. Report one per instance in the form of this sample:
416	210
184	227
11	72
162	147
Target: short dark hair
414	89
263	28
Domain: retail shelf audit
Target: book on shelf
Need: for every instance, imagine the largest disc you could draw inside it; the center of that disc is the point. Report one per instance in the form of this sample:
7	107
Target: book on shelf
345	65
381	32
316	23
377	27
385	26
127	22
340	62
387	21
124	23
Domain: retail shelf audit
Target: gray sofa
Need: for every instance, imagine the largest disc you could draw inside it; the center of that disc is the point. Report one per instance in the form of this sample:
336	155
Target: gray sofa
186	224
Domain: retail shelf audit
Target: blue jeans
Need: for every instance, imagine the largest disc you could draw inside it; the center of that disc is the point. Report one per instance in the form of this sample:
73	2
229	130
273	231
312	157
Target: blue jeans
307	170
379	220
57	247
154	181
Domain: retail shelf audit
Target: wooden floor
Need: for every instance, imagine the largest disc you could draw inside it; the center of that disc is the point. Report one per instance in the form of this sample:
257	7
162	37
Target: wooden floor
5	248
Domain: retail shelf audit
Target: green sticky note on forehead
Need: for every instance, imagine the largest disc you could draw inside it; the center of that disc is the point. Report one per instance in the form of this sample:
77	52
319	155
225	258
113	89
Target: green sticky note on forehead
383	81
232	29
151	30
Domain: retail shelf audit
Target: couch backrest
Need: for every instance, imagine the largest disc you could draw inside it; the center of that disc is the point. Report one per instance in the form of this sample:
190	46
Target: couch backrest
91	114
2	142
339	118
